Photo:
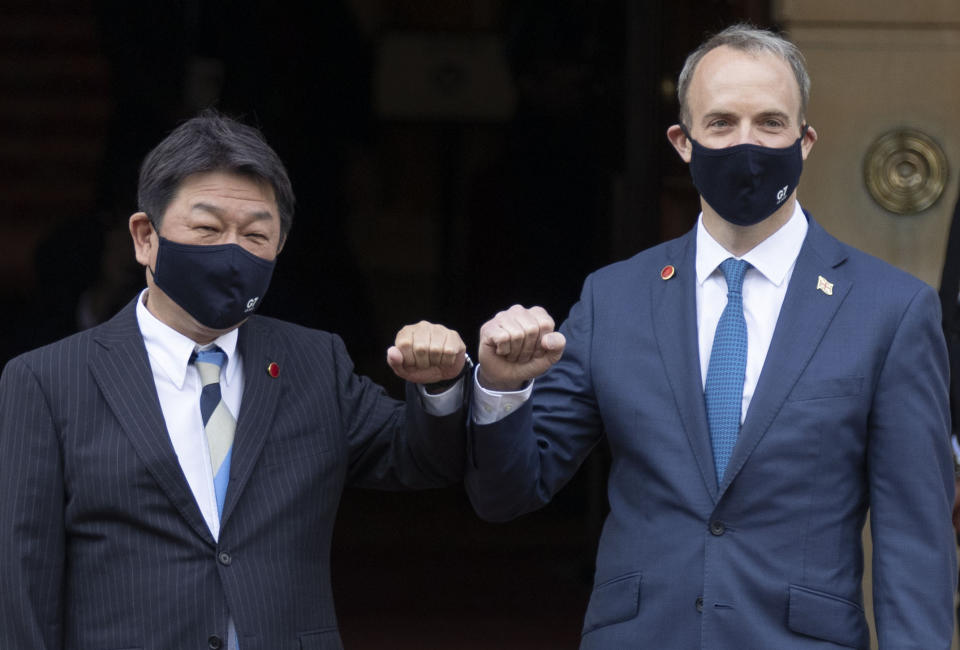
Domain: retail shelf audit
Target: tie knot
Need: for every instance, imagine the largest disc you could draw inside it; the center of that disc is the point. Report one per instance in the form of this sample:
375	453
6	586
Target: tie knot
733	271
209	362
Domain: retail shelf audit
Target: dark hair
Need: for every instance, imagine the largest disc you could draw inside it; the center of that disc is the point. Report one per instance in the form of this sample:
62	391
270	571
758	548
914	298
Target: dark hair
211	142
746	38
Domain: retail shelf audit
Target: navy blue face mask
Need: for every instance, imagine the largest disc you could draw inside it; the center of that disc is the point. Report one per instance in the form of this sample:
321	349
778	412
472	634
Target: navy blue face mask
218	285
746	183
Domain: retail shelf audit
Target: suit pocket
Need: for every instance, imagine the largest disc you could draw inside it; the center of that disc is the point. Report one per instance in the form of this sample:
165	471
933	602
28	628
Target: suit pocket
828	617
284	451
327	639
613	601
826	388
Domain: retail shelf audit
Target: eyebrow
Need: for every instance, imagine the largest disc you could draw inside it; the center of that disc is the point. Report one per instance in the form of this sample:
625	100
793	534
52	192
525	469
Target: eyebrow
778	114
712	115
727	115
258	215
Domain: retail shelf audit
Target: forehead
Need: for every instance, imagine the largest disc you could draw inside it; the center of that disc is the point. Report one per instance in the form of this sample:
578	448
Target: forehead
227	191
727	78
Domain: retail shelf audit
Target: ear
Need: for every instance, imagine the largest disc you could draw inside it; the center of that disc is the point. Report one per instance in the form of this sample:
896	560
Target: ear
680	142
144	237
809	137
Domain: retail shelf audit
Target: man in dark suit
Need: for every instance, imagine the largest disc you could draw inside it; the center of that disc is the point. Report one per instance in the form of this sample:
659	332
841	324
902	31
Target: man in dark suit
170	478
761	385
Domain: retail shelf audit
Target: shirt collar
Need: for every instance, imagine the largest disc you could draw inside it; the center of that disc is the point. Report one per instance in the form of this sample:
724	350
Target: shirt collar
773	257
170	351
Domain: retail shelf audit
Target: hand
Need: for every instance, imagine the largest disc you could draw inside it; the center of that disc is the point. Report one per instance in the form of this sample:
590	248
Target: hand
425	353
516	346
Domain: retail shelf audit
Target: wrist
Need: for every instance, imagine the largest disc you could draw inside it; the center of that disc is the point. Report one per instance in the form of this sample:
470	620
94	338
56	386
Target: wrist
437	387
497	385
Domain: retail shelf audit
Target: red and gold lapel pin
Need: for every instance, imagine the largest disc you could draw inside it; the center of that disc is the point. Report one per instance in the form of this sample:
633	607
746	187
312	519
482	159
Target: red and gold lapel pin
667	272
273	369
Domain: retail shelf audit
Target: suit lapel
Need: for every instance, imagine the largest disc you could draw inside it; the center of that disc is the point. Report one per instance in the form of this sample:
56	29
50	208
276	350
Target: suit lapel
804	318
261	395
675	319
122	372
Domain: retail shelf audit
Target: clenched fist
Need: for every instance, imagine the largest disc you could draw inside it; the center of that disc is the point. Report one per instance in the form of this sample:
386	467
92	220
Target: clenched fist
516	346
425	353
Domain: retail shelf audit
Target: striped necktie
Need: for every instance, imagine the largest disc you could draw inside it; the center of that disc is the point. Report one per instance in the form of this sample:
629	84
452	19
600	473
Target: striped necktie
723	390
218	422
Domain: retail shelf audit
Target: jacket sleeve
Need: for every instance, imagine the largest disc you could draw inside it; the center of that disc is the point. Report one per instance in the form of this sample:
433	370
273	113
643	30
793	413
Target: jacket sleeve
32	535
911	485
393	444
519	463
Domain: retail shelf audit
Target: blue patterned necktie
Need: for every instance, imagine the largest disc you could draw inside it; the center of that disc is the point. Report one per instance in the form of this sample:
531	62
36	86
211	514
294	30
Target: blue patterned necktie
723	390
218	423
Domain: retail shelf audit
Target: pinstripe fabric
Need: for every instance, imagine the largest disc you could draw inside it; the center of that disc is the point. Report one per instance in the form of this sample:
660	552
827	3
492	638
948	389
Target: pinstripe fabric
101	542
723	390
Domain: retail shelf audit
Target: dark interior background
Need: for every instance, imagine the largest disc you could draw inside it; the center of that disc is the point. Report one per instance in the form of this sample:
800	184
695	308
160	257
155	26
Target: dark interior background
450	158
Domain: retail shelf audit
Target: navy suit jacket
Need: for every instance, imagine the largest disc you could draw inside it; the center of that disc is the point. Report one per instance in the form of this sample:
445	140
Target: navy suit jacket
102	545
850	413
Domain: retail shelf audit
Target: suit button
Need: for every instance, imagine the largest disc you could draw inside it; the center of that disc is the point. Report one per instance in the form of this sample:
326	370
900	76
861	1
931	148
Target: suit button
717	528
214	642
224	558
699	603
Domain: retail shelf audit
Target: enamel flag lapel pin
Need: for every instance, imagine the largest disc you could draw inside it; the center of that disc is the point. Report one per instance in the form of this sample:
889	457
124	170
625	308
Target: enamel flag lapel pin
824	286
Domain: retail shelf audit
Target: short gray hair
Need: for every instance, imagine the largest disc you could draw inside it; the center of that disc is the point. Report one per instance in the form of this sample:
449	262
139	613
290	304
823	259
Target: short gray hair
746	38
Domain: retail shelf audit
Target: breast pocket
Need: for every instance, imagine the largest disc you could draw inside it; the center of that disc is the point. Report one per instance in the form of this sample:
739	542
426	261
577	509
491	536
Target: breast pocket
826	388
287	451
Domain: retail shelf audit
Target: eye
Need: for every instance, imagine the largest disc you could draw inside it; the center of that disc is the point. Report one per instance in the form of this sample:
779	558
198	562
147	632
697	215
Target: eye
719	123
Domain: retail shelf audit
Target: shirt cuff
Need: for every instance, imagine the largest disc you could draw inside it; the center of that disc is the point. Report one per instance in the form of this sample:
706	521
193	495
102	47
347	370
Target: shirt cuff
491	406
443	403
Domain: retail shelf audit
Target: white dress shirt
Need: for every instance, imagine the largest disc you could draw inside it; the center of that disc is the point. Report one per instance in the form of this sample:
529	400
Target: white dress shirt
764	288
178	387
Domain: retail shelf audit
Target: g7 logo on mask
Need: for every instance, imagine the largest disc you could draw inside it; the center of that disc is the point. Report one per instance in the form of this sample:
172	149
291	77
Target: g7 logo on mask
782	194
251	304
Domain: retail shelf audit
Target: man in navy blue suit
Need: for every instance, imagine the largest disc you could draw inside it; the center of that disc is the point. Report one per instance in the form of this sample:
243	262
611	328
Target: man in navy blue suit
170	478
736	515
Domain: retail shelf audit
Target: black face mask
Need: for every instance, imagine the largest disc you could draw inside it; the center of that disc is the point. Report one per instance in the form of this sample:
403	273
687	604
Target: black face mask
746	183
219	285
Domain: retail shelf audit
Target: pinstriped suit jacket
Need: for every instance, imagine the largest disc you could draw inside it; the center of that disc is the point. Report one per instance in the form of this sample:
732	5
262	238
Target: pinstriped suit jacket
102	545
